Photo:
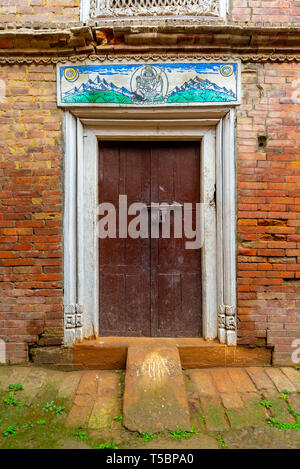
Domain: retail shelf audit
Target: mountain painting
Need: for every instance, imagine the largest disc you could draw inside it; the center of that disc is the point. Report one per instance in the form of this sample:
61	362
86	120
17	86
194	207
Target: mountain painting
148	84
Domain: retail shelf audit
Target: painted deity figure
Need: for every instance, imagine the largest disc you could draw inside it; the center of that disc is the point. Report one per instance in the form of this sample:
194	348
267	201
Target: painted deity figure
149	84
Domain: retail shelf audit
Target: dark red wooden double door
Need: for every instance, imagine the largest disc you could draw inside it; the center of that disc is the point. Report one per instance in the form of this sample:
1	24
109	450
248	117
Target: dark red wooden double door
149	287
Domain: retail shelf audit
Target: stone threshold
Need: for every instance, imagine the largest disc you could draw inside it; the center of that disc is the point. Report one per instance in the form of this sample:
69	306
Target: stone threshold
110	353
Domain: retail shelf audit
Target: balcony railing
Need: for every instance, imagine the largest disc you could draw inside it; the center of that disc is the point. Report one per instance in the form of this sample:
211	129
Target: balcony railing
157	8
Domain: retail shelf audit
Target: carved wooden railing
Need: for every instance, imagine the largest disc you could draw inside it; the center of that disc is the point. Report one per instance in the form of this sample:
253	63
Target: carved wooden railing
131	8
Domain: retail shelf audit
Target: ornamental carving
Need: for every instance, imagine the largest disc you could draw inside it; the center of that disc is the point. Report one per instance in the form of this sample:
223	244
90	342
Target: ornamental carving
129	8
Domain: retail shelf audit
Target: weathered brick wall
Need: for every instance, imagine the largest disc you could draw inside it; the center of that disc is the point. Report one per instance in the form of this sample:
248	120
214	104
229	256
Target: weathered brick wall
43	12
269	207
33	12
271	11
30	209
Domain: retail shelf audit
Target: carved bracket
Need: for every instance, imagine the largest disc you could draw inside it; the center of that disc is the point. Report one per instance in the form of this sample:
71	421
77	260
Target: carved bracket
73	316
227	318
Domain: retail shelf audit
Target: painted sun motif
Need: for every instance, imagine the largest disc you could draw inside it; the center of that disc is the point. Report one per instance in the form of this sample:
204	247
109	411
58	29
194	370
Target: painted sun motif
71	74
226	70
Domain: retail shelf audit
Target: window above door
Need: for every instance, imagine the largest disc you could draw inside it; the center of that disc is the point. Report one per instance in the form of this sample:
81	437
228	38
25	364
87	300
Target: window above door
197	10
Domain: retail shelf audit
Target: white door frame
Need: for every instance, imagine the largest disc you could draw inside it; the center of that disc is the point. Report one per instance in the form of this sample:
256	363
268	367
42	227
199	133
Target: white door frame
215	129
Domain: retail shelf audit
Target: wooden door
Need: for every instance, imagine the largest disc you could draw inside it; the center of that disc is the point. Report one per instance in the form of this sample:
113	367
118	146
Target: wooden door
149	287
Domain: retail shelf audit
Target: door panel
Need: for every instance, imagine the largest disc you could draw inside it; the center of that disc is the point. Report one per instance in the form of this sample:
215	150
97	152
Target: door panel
175	271
124	269
149	287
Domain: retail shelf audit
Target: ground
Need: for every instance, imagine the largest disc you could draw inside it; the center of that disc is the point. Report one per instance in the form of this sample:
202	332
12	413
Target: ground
229	408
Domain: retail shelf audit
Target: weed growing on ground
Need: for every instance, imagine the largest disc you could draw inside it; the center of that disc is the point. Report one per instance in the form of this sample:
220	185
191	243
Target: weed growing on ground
182	434
11	399
286	426
10	431
53	408
283	426
221	442
148	436
266	404
118	418
80	435
107	446
27	425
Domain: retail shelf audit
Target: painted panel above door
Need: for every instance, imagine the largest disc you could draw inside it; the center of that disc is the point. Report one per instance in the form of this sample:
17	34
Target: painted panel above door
149	84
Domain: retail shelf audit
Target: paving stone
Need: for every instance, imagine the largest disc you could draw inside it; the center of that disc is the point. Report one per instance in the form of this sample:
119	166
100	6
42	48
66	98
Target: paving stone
5	373
222	380
241	380
214	413
88	383
199	441
69	384
231	400
280	380
203	382
261	438
108	384
295	401
103	413
252	413
279	408
72	444
32	378
84	400
155	396
18	374
78	416
293	375
54	377
259	377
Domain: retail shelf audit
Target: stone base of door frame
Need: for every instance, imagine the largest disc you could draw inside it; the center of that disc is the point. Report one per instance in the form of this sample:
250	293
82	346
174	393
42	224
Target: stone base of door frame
110	353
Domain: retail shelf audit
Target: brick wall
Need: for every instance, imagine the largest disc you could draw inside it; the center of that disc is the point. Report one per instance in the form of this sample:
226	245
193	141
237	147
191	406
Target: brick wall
271	11
30	209
43	12
269	207
32	12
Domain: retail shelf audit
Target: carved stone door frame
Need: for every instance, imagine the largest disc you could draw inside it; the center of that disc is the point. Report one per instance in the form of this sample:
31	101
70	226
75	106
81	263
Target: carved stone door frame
215	128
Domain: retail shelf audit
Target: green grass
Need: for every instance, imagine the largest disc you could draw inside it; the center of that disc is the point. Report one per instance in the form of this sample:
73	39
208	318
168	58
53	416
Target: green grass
118	418
107	446
283	425
221	442
266	404
182	434
98	97
148	436
199	96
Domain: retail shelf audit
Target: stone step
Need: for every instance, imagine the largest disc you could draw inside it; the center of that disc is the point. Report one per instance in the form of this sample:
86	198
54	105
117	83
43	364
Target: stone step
155	397
109	353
